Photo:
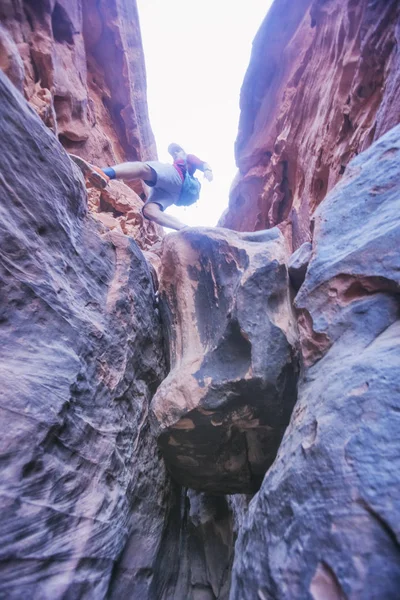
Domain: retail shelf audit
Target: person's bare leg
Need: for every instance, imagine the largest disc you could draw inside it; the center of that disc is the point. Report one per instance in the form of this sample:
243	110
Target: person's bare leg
153	212
134	170
129	170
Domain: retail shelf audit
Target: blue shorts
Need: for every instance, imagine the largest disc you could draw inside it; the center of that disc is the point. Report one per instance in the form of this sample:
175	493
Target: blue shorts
167	187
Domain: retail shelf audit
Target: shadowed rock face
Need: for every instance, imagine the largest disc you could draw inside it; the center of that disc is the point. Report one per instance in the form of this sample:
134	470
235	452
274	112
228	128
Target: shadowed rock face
355	262
320	88
80	65
325	522
298	264
80	357
221	412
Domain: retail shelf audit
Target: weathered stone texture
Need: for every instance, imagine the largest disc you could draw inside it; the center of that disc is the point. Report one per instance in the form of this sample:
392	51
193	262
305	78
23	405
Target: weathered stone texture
325	523
196	554
221	412
322	84
80	357
80	65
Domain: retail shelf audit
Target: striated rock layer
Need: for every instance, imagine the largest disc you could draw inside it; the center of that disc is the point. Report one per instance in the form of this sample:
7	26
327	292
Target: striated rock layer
321	86
80	357
221	412
325	523
80	65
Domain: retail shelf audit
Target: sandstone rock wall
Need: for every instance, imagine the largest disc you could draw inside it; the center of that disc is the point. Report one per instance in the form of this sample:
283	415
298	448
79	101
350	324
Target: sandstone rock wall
83	70
80	64
320	87
89	509
325	522
81	356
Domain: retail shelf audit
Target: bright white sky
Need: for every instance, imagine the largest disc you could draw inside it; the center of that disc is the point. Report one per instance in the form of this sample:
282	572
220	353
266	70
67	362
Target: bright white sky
196	57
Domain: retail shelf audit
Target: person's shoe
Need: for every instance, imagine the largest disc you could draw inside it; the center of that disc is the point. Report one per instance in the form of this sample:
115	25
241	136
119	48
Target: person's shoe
94	174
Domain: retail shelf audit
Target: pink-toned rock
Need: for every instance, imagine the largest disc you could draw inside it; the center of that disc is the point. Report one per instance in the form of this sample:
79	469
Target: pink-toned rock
221	412
81	67
321	86
124	208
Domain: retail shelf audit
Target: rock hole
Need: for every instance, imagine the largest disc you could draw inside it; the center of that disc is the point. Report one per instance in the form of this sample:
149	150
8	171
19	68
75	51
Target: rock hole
266	157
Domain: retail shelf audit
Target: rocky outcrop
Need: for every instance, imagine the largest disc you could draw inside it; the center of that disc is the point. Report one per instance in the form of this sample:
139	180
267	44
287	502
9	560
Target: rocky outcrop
81	66
325	522
221	412
321	86
81	356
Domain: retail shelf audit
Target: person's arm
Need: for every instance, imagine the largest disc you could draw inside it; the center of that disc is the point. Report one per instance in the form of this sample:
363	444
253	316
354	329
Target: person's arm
207	170
201	165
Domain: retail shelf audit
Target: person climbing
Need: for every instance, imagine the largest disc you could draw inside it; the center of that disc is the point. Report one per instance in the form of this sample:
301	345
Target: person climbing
170	183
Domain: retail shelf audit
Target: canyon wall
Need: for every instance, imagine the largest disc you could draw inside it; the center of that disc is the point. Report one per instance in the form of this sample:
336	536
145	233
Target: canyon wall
80	65
244	419
81	356
325	523
88	508
321	86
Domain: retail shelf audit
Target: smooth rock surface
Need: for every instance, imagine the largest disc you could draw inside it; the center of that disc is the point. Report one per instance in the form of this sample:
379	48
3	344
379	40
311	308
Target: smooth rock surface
325	523
81	355
220	414
321	86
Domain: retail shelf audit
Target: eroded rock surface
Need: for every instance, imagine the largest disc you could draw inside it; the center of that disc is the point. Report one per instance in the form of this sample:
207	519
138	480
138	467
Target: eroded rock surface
80	357
320	88
355	261
221	412
80	65
325	523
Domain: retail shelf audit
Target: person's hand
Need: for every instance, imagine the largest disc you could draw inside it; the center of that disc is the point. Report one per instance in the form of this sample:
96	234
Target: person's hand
208	174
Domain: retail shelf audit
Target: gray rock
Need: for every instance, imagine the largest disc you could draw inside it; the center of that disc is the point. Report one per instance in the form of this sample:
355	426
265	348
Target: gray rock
355	248
325	523
88	510
80	357
221	412
298	264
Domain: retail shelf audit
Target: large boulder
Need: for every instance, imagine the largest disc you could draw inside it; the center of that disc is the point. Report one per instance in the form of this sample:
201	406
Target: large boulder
82	481
220	414
325	523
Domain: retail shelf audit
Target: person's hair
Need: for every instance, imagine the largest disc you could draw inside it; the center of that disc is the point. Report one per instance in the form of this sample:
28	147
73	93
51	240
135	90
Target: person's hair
172	148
